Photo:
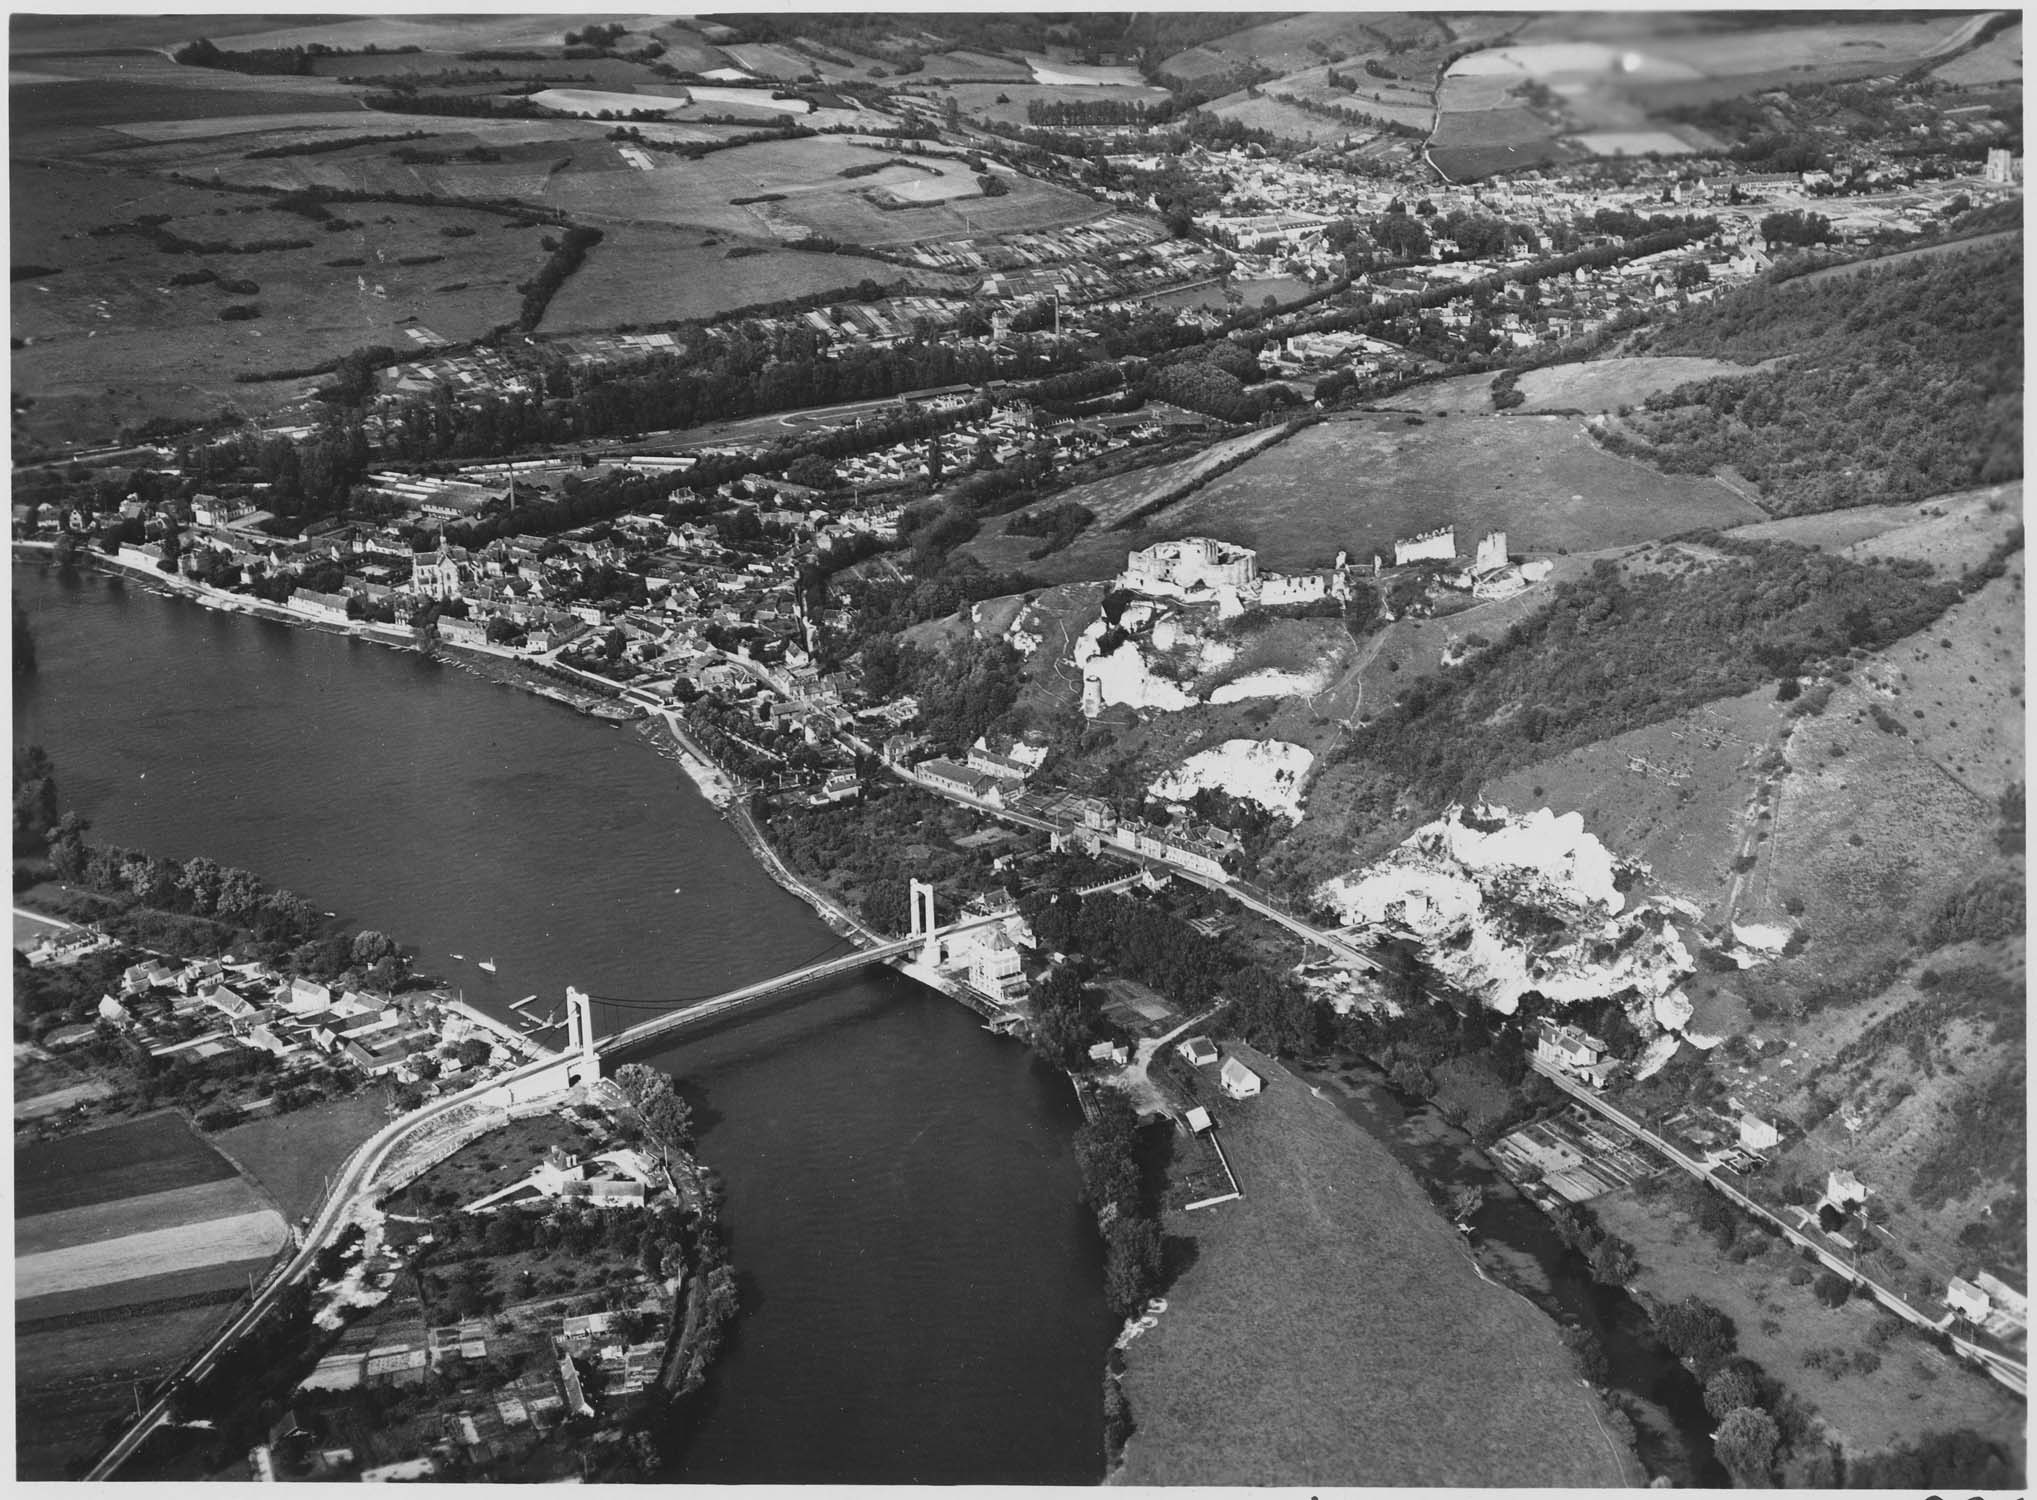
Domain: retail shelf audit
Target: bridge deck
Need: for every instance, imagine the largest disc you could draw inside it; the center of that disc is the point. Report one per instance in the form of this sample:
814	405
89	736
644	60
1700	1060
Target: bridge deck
700	1010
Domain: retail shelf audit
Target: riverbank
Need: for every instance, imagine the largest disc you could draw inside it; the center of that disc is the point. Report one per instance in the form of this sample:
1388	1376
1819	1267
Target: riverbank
1330	1328
708	779
576	690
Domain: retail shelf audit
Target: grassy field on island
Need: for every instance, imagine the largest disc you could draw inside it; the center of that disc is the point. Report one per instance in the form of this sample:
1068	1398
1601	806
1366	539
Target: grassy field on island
1332	1331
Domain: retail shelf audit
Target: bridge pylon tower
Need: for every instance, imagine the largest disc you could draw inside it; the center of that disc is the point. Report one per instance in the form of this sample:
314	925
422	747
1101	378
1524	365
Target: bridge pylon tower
580	1037
924	924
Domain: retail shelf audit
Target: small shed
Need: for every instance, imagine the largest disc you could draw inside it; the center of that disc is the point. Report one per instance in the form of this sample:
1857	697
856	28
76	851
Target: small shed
1198	1120
1199	1050
1239	1081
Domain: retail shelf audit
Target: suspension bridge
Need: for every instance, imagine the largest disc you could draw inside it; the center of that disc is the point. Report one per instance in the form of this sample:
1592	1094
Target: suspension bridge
619	1044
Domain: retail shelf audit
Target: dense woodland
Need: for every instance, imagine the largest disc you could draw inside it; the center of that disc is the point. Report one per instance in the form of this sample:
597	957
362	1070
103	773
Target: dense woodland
1893	384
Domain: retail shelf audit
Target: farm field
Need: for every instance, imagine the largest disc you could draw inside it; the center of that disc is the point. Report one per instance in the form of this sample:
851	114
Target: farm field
1375	1348
110	341
1281	119
1997	60
1284	45
431	33
758	99
131	1242
595	72
289	1155
591	103
142	1296
1005	103
170	1208
1655	55
513	159
29	35
767	60
152	1154
654	273
74	1379
815	197
1636	143
1359	483
1472	143
1047	70
41	114
1406	101
106	1264
1613	73
1917	1388
686	49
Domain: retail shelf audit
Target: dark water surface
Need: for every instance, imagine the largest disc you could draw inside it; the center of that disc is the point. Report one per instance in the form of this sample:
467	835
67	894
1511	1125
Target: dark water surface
922	1289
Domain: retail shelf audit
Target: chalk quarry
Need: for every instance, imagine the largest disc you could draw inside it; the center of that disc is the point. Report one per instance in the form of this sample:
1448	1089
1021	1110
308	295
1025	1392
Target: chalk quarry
1271	773
1503	903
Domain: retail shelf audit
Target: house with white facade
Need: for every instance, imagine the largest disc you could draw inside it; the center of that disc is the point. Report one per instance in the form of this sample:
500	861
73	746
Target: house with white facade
1756	1134
1239	1081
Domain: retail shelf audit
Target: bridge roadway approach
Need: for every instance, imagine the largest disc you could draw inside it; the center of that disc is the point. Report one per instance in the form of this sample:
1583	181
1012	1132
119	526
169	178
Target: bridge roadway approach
620	1043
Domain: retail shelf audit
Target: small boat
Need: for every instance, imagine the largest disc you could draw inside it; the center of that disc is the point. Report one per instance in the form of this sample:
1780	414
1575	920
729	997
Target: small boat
459	955
520	1004
488	964
678	890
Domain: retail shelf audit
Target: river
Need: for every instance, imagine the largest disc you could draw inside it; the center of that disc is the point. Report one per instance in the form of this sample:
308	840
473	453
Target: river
922	1290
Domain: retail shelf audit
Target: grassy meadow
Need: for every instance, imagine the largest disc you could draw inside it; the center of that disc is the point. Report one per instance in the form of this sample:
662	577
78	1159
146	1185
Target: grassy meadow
1331	1330
1358	483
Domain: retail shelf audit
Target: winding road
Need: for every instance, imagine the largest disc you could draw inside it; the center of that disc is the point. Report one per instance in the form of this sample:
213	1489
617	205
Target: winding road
355	1178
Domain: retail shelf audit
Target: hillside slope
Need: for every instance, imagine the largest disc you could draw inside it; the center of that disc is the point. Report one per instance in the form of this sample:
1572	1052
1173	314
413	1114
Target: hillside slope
1892	384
